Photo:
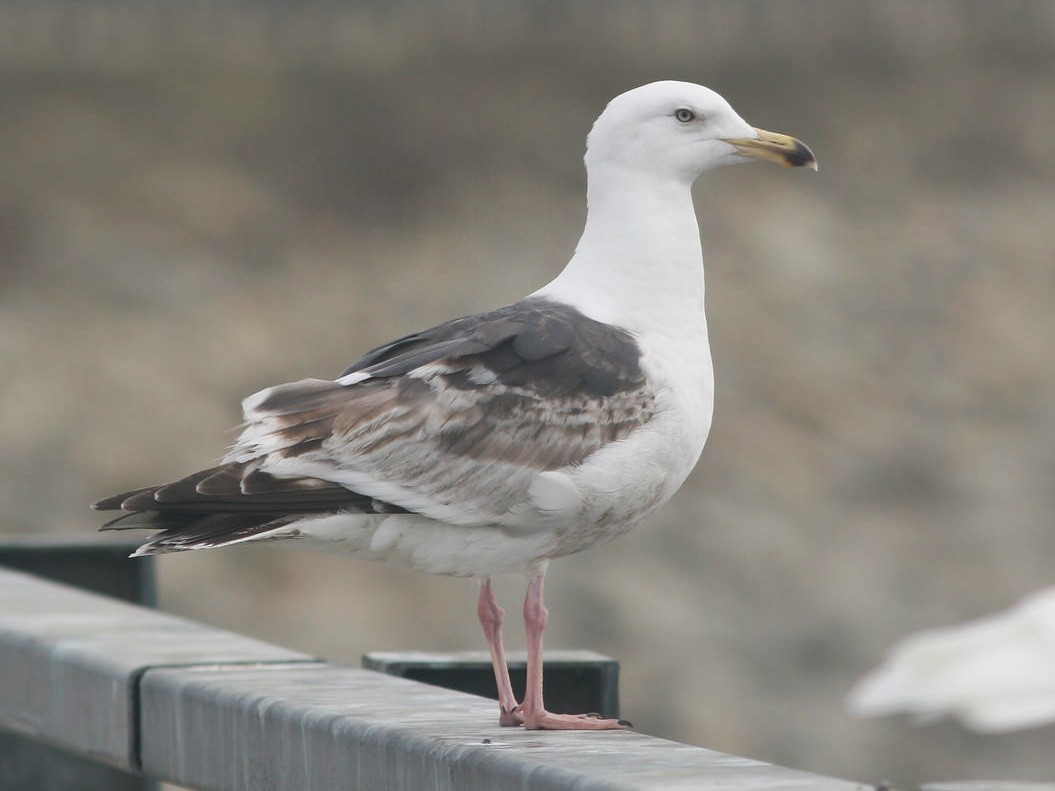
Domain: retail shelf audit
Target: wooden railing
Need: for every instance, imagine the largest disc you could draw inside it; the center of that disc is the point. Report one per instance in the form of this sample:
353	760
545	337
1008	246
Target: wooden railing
156	696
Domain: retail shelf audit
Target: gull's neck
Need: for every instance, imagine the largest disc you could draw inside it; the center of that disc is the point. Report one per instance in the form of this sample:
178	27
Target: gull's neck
639	263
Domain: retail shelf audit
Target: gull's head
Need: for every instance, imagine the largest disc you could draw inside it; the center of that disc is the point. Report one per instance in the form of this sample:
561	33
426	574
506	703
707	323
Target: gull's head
680	130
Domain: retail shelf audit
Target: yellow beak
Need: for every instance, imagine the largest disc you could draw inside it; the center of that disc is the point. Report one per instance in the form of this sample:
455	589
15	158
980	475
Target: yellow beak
782	149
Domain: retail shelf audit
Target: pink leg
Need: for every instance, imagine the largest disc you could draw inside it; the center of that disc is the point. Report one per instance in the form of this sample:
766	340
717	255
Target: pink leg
533	710
491	616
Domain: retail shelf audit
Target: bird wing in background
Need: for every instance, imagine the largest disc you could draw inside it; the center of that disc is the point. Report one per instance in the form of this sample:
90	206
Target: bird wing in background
994	674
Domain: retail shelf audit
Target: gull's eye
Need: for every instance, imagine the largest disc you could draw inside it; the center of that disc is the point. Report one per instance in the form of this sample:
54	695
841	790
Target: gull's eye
684	115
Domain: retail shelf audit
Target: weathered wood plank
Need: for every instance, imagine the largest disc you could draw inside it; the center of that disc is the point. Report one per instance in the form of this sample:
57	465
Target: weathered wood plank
242	729
71	663
222	712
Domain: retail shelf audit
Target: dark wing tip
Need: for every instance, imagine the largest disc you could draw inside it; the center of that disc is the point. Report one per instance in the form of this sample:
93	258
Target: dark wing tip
108	503
116	502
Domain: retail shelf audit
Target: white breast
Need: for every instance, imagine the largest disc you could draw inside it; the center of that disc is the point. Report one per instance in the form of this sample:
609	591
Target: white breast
627	480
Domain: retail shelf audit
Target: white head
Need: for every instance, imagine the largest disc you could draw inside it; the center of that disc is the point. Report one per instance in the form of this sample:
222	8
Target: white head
680	130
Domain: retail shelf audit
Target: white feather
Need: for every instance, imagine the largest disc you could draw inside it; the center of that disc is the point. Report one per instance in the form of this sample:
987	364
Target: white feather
994	674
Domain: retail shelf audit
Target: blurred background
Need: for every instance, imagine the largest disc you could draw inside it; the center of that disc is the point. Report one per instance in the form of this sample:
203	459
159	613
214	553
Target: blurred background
199	200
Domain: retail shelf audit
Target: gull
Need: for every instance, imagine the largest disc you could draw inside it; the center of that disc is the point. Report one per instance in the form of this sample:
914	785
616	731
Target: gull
995	674
496	442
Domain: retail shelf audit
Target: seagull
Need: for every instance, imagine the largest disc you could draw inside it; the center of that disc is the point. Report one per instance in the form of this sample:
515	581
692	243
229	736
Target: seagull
995	674
496	442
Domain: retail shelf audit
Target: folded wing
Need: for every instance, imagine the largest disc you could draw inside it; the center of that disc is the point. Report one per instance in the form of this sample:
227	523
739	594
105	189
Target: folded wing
454	423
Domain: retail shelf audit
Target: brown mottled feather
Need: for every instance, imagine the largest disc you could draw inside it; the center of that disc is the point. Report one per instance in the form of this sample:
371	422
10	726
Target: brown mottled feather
462	416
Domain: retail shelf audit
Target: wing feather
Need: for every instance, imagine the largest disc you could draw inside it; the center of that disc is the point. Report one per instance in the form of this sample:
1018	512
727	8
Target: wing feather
455	423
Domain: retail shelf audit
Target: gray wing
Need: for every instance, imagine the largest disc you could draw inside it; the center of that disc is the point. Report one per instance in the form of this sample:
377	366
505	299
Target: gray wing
454	423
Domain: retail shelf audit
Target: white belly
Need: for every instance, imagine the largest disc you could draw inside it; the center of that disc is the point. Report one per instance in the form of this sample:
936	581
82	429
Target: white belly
627	480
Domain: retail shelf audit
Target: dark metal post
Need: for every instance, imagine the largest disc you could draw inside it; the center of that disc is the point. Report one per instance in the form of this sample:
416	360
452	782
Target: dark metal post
576	681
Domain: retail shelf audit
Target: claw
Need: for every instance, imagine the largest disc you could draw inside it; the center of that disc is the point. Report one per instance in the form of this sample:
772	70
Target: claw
511	718
545	721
